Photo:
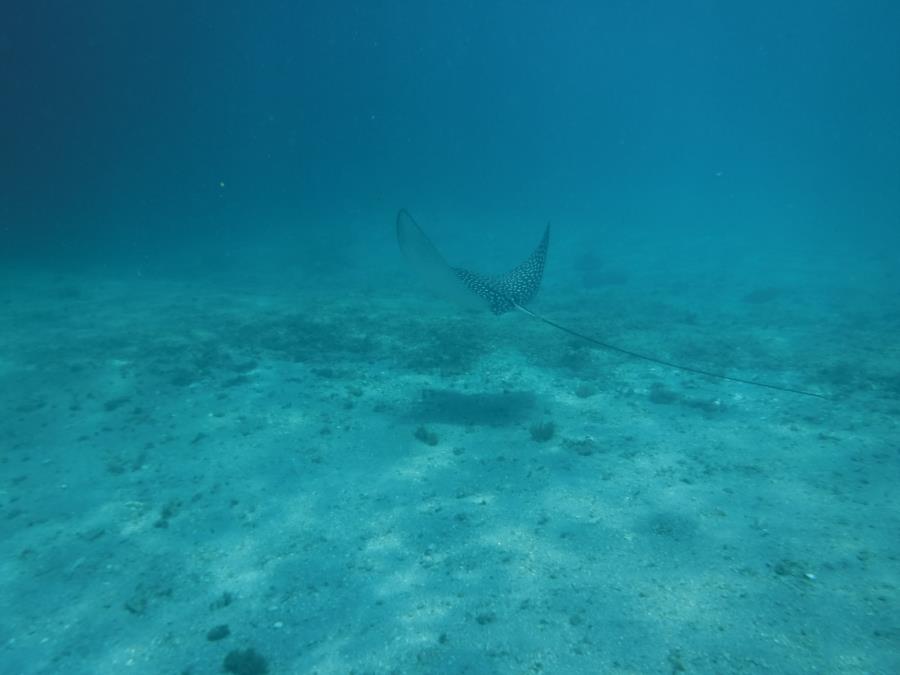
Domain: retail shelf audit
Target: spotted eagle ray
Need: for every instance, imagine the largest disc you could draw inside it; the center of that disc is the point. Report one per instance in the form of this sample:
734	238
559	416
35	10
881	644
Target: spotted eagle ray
511	291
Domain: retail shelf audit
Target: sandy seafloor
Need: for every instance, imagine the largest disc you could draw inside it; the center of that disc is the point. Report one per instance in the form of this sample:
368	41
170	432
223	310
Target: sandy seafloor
178	457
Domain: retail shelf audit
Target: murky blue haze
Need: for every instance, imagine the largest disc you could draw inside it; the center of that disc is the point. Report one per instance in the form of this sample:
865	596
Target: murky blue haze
121	123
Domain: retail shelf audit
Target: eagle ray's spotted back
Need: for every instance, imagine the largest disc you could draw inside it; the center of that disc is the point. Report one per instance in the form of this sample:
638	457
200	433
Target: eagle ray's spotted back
516	287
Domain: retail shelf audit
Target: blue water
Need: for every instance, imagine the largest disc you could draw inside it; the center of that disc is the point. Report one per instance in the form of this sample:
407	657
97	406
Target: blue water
220	380
120	124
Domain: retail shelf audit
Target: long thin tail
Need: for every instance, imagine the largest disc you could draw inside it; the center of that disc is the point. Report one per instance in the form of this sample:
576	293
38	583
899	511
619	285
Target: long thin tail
669	364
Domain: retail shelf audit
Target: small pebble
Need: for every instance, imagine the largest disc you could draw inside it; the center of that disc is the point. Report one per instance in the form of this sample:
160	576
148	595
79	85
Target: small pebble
220	632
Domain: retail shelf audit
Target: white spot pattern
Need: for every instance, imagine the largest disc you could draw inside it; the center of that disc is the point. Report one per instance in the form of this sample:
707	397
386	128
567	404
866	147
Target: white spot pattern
516	287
